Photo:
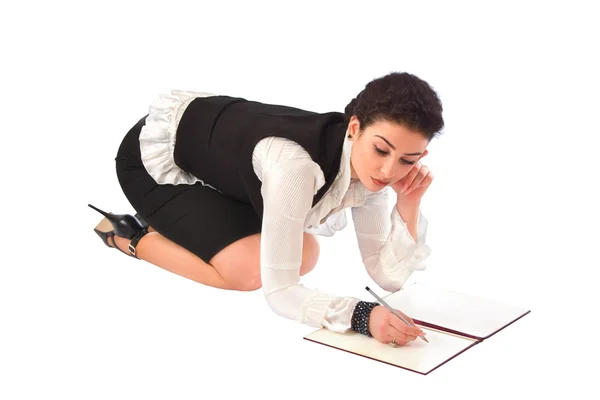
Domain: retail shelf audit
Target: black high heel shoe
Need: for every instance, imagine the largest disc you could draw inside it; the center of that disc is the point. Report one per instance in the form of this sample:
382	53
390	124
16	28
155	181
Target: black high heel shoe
142	221
123	225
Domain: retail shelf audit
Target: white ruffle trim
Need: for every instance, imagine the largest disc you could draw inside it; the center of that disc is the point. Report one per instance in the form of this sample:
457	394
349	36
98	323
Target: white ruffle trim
157	137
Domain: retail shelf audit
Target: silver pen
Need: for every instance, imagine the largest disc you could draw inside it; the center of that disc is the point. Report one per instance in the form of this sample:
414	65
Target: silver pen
394	311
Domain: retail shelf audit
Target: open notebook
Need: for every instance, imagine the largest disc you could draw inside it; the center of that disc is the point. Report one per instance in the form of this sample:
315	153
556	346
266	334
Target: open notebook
453	322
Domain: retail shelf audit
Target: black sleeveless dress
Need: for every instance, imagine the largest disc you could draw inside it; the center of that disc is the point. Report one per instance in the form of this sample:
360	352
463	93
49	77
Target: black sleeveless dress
215	140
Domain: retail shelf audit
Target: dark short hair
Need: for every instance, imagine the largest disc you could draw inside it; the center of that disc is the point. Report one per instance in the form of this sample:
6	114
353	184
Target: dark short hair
401	98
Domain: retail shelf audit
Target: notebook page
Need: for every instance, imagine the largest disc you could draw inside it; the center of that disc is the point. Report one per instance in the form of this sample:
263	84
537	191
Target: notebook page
453	310
417	355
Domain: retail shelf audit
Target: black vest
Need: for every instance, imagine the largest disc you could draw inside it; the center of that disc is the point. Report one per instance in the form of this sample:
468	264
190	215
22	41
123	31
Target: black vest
217	135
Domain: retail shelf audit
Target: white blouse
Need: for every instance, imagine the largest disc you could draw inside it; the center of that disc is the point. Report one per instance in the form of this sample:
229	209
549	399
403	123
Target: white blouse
290	179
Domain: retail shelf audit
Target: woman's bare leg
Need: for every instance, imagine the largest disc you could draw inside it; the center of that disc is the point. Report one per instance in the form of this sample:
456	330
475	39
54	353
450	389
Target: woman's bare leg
239	262
160	251
236	267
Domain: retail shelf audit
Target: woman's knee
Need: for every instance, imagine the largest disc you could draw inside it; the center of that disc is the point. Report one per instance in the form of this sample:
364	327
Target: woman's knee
310	253
239	263
245	283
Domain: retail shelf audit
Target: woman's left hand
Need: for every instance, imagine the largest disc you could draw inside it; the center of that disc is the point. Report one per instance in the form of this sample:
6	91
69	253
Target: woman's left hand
414	185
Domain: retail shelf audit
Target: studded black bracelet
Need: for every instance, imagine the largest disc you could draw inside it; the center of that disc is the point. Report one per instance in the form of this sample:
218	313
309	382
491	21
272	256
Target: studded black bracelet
360	317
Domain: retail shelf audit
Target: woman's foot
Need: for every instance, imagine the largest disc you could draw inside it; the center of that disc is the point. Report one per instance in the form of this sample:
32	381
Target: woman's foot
110	241
120	226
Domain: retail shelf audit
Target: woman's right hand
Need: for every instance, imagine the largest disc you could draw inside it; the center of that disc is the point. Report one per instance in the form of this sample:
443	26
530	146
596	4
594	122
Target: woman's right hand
385	327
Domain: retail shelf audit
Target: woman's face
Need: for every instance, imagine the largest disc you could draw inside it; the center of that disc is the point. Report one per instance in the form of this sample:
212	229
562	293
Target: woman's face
384	152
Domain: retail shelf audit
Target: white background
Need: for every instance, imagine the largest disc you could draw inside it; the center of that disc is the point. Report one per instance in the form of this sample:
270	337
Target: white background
512	210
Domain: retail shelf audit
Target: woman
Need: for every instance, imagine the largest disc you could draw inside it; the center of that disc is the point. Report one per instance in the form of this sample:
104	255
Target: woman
220	183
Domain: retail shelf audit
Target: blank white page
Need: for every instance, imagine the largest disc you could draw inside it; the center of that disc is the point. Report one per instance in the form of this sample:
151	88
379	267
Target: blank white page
452	310
417	355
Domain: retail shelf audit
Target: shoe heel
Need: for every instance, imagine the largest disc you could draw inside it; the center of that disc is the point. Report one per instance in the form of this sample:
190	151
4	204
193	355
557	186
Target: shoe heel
124	225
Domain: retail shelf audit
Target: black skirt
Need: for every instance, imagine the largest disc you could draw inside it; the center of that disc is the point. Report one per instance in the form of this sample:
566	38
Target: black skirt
196	217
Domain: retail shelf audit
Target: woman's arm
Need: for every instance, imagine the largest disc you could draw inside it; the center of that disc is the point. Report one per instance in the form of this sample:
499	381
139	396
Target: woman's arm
391	248
410	215
288	188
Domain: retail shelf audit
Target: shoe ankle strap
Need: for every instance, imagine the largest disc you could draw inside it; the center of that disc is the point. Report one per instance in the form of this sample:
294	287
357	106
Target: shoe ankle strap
135	240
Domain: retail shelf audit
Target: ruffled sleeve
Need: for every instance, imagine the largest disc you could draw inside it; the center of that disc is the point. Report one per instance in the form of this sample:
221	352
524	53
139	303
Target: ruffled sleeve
389	252
290	179
157	137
